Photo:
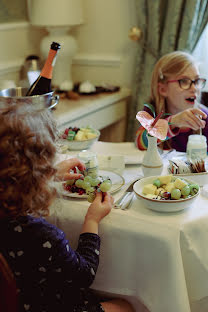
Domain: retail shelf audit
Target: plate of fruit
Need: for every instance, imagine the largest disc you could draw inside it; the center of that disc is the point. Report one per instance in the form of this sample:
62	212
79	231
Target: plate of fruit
85	188
166	193
78	138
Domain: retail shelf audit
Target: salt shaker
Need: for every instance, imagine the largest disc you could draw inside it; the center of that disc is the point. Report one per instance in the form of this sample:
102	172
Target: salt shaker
90	160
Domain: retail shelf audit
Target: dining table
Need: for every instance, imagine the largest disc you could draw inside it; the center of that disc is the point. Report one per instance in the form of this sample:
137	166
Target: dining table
158	259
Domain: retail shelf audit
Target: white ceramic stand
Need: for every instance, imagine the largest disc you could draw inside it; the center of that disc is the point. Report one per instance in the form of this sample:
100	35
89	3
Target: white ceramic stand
152	162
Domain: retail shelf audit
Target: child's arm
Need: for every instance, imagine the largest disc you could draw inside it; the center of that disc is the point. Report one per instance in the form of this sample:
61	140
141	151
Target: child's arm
100	207
141	139
74	268
79	267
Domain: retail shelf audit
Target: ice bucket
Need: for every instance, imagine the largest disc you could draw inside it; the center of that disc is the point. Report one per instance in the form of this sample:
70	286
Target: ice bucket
18	95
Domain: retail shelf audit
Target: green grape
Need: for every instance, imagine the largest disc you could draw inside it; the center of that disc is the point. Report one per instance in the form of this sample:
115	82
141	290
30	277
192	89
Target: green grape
105	186
185	191
194	188
91	197
90	190
70	182
79	183
88	179
157	182
175	194
95	182
108	180
86	185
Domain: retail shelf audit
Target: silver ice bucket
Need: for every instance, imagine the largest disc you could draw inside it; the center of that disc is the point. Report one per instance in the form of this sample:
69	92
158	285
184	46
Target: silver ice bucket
18	95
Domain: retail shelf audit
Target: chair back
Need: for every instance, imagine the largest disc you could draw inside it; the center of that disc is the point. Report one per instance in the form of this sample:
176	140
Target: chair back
8	289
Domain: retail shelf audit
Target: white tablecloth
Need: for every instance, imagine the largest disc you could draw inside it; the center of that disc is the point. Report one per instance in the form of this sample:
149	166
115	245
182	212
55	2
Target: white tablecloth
160	259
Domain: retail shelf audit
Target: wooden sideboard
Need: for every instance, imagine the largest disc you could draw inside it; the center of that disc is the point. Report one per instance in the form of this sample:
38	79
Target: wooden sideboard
106	112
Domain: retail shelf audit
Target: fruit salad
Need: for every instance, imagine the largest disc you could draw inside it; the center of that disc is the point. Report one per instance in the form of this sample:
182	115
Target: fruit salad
170	188
88	186
79	134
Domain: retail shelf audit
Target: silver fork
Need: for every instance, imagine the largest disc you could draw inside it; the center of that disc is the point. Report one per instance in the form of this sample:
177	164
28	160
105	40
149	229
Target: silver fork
125	200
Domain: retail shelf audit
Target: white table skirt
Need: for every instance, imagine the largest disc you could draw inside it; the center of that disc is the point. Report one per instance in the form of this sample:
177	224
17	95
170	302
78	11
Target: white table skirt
160	259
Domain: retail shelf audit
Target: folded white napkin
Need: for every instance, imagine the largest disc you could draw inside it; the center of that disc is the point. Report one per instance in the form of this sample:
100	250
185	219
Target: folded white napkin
113	163
127	149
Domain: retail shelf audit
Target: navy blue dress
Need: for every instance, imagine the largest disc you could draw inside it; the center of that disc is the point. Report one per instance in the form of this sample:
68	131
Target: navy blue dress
50	275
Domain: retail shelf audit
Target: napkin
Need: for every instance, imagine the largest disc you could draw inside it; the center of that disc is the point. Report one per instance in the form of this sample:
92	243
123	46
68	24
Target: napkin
112	163
128	150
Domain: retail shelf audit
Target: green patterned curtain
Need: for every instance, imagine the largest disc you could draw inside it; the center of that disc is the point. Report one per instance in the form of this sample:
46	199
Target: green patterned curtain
167	25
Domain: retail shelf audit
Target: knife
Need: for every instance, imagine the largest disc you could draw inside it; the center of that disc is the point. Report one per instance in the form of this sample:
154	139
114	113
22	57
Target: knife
125	200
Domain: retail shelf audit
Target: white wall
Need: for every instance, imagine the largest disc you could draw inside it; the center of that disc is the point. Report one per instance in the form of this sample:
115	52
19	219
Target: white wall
18	40
106	54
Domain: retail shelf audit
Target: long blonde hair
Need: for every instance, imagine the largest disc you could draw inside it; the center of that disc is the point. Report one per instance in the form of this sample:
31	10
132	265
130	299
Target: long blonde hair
174	63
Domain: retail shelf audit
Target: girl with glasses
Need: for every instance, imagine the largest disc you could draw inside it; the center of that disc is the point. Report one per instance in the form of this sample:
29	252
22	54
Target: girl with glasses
175	89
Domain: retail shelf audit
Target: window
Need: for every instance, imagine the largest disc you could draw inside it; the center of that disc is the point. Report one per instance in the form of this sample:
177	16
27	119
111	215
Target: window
200	53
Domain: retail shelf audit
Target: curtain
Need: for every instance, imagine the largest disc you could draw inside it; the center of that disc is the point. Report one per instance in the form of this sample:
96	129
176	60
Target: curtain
167	25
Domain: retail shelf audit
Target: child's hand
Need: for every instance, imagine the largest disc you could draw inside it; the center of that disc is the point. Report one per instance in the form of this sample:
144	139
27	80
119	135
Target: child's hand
64	167
100	207
191	118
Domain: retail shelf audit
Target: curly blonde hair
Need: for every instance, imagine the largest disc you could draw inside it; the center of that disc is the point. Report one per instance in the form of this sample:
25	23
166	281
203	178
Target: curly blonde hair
27	152
173	63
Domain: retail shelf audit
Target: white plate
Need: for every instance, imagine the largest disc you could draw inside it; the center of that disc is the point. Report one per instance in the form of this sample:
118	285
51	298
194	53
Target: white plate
117	182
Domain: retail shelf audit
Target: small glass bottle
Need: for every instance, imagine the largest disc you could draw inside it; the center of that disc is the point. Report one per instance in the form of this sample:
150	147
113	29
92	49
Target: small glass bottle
196	147
91	163
42	84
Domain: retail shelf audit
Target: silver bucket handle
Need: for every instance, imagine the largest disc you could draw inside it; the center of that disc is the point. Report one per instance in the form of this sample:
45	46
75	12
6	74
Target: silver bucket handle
54	100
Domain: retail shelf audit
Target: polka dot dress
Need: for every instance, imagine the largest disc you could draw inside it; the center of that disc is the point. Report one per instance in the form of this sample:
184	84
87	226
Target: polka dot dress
50	275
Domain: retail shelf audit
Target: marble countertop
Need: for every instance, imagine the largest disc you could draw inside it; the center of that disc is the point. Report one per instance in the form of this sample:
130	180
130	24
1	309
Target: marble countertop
73	109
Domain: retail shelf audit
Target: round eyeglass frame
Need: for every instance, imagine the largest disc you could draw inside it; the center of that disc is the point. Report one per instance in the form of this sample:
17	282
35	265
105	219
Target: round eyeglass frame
180	81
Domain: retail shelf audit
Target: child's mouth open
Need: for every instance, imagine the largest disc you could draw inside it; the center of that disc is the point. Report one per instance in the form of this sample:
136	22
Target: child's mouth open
191	100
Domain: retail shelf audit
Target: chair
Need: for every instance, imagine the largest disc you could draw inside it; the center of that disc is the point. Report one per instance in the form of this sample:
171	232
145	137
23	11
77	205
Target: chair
8	290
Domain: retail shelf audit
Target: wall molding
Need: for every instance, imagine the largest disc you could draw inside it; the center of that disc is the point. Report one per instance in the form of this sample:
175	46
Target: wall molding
10	66
83	59
13	26
89	59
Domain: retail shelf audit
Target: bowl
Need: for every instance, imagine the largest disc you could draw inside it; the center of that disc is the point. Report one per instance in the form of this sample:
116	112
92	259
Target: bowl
162	205
77	145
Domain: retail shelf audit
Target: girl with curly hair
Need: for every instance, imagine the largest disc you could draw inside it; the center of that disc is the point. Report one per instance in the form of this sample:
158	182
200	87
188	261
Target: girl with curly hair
49	275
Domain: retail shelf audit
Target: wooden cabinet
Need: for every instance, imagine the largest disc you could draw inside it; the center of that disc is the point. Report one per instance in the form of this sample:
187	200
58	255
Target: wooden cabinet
105	112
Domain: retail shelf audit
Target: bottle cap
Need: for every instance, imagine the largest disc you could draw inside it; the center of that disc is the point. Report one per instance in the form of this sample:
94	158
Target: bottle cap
55	46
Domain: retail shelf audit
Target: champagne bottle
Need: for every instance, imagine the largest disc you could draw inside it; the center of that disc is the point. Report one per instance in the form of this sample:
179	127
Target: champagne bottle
42	84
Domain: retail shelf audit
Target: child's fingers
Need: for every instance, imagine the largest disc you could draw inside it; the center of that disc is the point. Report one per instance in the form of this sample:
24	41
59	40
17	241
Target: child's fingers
199	112
108	198
75	162
71	176
98	197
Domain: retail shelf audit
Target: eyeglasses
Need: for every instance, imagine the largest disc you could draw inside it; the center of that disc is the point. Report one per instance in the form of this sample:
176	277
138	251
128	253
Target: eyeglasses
186	83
